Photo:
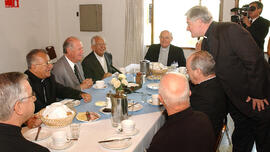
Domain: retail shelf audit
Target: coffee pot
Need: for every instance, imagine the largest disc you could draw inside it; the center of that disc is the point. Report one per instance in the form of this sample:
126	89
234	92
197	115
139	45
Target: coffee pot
145	67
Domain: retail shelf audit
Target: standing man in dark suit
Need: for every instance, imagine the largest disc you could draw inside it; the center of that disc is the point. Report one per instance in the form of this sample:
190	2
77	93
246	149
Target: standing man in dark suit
243	73
98	64
68	70
165	52
207	94
255	24
184	130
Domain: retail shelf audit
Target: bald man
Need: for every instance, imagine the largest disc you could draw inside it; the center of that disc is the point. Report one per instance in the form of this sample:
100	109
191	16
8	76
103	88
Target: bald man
185	128
165	52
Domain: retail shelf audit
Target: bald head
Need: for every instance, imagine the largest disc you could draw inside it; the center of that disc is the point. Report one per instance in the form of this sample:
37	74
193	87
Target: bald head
174	91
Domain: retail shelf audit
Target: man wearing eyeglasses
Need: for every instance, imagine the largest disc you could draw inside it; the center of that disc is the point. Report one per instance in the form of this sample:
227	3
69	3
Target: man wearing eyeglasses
98	64
17	106
43	82
165	52
255	24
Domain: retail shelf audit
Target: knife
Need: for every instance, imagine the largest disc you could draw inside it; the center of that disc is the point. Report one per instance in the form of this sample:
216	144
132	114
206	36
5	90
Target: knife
39	128
88	115
133	104
110	140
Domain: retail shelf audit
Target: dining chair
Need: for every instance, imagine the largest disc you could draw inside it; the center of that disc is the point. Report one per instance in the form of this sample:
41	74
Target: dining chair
224	130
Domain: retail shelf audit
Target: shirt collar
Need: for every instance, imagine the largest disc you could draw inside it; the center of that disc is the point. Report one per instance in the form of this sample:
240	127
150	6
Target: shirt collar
70	63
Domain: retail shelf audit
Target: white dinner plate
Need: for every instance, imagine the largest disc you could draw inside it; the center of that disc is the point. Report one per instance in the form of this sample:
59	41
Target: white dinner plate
153	86
116	145
136	107
101	103
56	147
95	87
133	133
81	116
151	102
101	110
71	102
31	134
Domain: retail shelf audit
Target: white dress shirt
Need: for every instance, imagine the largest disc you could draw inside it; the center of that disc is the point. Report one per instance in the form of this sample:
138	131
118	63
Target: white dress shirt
102	61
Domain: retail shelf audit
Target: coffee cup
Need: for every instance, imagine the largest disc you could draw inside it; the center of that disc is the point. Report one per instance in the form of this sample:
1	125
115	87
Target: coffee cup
100	84
59	138
128	126
155	99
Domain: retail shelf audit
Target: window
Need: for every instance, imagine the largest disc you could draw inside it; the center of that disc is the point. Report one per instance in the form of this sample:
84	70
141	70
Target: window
170	15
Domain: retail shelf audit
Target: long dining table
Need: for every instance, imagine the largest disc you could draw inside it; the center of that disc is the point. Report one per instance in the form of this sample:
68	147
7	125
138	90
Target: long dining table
148	120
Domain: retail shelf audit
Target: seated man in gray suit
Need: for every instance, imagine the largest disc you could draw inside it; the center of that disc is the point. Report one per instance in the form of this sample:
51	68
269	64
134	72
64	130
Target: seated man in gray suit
98	64
165	52
68	70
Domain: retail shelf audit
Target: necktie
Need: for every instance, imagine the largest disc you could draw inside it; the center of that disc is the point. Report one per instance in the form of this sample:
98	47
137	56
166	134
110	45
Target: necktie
76	71
43	84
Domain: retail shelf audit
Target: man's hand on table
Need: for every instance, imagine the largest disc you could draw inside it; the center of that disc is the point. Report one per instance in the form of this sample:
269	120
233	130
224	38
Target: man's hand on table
34	122
257	102
87	83
86	97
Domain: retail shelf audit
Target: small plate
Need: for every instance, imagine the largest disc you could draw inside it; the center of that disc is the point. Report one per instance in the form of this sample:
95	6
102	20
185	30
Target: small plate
136	107
101	103
65	146
116	145
71	102
151	102
95	87
81	116
104	112
133	133
154	77
31	134
153	86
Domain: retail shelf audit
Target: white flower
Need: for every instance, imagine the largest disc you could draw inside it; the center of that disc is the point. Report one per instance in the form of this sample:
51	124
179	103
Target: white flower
124	81
121	76
113	80
116	84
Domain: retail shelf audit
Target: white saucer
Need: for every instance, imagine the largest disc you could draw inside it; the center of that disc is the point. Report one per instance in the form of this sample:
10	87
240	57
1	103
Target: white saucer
133	133
101	110
95	87
117	144
153	86
65	146
150	102
136	107
31	134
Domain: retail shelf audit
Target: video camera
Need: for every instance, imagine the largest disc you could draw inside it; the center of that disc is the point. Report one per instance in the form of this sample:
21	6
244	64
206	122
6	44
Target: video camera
240	13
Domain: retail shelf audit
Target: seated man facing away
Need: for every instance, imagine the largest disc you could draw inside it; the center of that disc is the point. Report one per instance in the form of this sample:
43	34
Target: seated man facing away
165	52
43	82
68	70
207	94
98	64
185	130
17	106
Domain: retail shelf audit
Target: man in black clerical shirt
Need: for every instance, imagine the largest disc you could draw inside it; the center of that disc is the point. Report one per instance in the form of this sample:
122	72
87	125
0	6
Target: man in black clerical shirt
185	130
17	106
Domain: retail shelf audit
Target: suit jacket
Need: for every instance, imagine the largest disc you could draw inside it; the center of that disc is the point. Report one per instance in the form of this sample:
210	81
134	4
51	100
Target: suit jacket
184	131
93	69
210	98
53	89
65	75
259	29
175	55
240	66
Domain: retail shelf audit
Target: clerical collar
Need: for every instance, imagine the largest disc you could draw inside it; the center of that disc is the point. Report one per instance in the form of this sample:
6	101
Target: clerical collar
208	79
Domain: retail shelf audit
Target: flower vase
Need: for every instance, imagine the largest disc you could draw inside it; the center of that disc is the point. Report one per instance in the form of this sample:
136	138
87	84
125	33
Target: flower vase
119	107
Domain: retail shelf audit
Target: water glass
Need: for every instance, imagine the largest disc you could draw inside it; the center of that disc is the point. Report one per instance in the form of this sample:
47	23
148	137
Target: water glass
144	97
75	130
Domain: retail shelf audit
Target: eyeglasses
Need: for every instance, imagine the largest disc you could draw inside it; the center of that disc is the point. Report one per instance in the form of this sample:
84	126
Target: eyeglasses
33	96
46	64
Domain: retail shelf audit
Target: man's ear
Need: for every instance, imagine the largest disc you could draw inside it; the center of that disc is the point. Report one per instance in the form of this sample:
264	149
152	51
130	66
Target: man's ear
161	99
18	108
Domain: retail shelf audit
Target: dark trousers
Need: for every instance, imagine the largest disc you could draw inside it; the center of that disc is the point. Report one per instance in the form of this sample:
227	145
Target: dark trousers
247	131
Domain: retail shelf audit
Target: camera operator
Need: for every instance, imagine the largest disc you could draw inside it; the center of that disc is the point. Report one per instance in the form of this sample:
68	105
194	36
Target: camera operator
255	24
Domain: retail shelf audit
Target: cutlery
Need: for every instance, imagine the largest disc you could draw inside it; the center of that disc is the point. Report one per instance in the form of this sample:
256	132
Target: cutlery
132	105
143	93
88	115
39	128
111	140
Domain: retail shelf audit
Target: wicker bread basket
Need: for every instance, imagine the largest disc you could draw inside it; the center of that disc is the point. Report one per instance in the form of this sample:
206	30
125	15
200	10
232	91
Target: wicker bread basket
57	122
158	72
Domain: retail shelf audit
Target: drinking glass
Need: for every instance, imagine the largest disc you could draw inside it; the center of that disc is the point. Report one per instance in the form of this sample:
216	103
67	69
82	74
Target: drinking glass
74	130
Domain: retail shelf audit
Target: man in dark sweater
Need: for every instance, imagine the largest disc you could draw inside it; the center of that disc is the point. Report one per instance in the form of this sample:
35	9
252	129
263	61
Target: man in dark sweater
185	130
17	106
207	94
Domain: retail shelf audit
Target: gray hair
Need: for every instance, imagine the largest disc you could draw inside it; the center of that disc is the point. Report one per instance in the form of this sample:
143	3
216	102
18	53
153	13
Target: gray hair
171	94
31	56
170	33
204	61
199	12
11	90
68	43
93	39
